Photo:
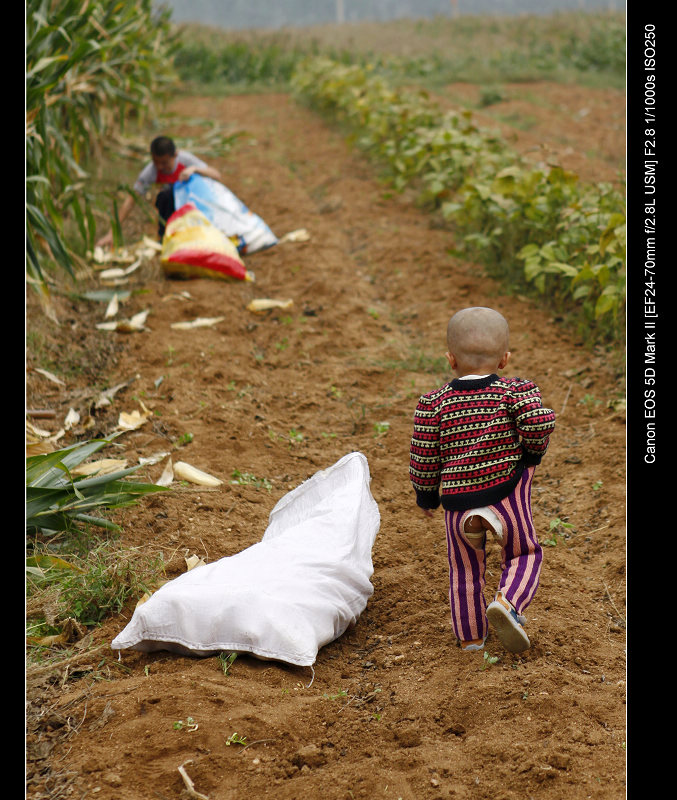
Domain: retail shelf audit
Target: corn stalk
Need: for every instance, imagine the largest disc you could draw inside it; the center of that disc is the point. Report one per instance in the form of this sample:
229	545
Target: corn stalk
89	64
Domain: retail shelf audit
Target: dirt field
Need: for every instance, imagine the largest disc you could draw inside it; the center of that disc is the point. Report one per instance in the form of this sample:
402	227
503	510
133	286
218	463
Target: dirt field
395	709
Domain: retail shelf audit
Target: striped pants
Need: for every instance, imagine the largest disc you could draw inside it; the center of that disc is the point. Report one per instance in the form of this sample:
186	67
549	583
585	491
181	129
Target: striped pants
521	557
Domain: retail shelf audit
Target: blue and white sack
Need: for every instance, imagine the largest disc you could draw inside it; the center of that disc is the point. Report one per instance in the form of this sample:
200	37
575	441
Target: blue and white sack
226	212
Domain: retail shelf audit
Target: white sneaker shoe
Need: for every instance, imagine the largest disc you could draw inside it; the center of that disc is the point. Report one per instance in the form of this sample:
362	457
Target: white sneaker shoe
508	624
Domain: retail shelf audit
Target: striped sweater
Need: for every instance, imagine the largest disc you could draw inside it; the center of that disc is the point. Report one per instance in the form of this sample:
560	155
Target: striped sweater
473	439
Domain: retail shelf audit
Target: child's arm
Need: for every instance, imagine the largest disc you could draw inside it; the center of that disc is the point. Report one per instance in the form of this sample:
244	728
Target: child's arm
534	422
424	456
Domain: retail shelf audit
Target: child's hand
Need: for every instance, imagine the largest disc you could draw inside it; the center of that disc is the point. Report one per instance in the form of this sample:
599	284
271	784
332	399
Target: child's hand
428	512
186	173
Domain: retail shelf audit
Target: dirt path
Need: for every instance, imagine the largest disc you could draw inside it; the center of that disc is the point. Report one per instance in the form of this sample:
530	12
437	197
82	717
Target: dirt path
372	291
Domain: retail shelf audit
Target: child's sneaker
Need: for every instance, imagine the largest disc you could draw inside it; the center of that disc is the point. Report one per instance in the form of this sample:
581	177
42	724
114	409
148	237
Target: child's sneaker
473	644
508	625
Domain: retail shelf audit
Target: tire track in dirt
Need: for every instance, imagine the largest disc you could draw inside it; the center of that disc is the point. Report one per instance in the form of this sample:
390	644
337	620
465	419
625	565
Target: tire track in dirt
372	290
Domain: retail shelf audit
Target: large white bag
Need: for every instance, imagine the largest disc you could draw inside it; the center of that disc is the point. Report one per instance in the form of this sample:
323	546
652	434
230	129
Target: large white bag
283	598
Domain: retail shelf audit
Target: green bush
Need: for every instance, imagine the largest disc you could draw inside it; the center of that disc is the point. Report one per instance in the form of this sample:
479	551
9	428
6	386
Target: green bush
538	230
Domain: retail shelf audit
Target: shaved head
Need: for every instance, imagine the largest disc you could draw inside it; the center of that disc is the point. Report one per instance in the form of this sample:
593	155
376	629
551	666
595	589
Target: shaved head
478	336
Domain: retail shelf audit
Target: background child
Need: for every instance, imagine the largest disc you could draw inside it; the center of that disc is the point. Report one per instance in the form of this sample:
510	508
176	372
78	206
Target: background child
475	445
167	166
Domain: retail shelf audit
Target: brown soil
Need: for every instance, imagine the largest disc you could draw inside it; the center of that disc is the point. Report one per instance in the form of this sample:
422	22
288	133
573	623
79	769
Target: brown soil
579	129
372	291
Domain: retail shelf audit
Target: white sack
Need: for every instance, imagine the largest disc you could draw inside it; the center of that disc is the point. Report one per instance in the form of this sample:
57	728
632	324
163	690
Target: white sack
283	598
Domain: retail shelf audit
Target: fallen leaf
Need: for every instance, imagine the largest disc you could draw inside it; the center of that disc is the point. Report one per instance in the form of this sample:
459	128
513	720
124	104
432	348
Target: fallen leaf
130	421
150	460
167	475
179	296
103	466
110	274
199	322
72	419
113	307
264	304
105	398
299	235
152	245
194	561
136	323
39	441
39	432
147	595
133	267
49	376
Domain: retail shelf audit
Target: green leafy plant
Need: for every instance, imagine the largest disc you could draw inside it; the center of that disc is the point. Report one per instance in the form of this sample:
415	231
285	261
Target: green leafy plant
185	438
249	479
56	500
337	696
381	428
235	738
490	95
89	584
540	230
190	725
488	660
557	527
226	661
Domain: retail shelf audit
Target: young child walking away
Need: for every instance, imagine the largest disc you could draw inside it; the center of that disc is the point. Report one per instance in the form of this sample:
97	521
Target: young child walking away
476	443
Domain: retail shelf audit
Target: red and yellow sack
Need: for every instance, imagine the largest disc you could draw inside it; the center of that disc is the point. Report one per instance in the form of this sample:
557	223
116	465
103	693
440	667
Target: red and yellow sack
194	248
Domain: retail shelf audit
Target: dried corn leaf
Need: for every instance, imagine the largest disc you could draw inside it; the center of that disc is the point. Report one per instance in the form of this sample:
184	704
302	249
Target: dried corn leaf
148	461
39	441
103	466
179	296
39	448
40	433
72	419
147	595
72	631
167	476
262	304
101	256
194	561
113	306
130	421
150	246
198	322
104	399
299	235
136	323
133	267
49	376
111	274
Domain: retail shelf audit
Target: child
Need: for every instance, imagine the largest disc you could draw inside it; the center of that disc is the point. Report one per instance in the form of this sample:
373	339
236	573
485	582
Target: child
478	440
167	166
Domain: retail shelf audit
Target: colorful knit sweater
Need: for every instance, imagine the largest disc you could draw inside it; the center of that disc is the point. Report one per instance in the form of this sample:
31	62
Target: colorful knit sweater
473	439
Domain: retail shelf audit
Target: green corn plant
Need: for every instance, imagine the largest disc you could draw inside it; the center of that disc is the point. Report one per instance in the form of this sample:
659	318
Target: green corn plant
89	63
58	501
